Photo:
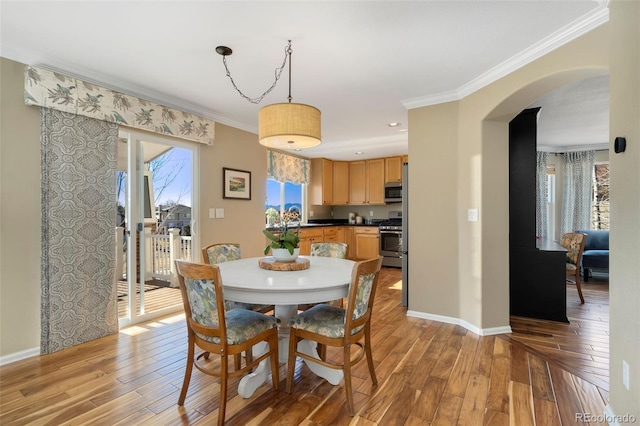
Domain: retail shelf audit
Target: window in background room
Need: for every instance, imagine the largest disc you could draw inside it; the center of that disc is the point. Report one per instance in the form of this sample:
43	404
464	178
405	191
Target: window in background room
551	201
283	197
600	204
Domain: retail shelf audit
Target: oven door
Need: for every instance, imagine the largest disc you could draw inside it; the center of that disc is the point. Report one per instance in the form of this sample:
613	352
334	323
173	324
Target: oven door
390	243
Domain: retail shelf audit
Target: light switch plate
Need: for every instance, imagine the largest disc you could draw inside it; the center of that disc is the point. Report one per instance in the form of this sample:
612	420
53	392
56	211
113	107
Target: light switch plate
212	213
472	215
219	213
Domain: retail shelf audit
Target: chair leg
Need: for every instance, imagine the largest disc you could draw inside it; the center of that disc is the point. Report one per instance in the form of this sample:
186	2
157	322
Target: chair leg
579	287
224	378
187	373
346	369
367	350
275	364
237	361
291	361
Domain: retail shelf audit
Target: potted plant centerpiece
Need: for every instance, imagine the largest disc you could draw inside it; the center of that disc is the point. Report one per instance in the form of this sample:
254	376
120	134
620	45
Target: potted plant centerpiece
284	243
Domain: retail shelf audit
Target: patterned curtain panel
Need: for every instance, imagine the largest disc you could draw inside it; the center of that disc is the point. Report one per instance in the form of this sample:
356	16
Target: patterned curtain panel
78	229
576	199
57	91
287	168
542	192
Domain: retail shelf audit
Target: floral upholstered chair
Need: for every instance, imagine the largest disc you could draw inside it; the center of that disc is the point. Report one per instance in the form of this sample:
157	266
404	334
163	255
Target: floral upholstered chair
574	242
226	252
327	249
215	330
336	327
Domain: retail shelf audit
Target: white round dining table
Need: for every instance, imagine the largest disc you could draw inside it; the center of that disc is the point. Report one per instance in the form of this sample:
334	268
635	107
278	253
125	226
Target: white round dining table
245	281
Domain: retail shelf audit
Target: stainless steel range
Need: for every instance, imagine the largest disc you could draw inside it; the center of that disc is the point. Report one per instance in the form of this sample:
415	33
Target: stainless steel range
391	240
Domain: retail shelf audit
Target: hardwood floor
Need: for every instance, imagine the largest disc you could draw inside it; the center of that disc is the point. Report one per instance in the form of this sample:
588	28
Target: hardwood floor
428	373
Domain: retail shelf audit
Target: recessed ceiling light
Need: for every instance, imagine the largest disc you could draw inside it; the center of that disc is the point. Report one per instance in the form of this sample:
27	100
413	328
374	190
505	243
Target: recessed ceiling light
394	124
403	130
359	152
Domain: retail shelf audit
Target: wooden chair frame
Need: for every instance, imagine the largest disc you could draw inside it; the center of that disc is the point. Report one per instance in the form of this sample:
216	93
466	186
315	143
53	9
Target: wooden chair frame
576	273
224	349
350	337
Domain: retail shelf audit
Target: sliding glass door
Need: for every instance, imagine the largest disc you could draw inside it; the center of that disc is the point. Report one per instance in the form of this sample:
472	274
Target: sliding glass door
157	217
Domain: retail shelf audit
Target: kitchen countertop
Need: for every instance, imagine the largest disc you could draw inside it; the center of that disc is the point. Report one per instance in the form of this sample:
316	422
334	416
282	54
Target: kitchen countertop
315	225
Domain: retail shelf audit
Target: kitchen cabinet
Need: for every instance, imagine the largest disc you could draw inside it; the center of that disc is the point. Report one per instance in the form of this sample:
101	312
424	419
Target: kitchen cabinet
321	184
340	183
348	237
393	169
308	236
405	158
330	233
367	242
366	181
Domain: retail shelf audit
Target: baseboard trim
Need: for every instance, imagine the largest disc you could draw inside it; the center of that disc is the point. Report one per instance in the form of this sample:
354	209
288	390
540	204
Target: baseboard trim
457	321
19	356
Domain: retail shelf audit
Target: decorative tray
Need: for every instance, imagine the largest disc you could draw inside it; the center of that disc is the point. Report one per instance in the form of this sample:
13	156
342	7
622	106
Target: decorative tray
270	263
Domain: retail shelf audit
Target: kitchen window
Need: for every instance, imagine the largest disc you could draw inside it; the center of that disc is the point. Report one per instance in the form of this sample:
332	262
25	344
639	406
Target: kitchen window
284	197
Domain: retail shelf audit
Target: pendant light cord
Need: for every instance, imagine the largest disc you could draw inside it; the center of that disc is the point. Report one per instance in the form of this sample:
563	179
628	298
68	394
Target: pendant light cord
278	72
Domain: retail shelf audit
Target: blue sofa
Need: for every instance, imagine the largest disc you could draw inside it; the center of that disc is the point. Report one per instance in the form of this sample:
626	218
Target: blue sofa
596	252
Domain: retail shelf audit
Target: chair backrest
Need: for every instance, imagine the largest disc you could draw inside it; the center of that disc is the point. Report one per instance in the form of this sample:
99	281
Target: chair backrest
221	252
574	243
362	290
329	249
203	300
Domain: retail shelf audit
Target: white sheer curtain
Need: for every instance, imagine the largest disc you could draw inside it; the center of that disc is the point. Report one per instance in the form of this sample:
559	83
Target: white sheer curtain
542	191
576	199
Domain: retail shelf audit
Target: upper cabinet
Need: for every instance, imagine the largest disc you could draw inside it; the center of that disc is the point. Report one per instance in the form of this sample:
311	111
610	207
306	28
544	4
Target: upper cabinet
366	181
340	183
352	182
321	185
393	169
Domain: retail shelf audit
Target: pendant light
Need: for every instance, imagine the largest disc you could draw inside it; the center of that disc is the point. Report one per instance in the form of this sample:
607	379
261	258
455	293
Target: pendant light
283	125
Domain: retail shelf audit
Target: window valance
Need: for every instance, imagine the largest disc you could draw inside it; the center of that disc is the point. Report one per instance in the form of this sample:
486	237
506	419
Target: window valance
63	93
287	168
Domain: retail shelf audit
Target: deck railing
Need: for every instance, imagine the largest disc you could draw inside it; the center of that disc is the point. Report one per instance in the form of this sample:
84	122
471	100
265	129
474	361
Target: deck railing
161	250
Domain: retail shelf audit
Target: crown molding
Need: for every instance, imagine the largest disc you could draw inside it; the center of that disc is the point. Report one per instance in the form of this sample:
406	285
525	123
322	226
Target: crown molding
573	148
581	26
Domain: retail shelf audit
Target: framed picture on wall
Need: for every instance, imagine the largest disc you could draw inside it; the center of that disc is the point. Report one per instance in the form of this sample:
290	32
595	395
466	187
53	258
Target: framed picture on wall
237	184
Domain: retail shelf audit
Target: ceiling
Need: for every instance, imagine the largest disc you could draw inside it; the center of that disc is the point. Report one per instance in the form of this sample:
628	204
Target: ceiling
362	63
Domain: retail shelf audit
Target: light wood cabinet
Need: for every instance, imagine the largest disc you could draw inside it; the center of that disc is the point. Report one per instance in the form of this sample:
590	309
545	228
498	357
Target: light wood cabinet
340	183
366	181
367	242
321	185
375	181
308	236
350	240
330	233
393	169
358	182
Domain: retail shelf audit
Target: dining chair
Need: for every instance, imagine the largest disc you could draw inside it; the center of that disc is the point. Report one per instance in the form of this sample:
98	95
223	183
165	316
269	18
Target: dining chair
341	328
226	252
574	242
215	330
327	249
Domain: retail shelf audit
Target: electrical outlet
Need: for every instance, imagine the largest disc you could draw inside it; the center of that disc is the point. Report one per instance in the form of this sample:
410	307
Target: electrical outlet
310	213
625	374
472	215
371	213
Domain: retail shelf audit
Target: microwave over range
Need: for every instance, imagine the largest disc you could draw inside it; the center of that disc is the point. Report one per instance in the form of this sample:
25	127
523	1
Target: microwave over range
393	192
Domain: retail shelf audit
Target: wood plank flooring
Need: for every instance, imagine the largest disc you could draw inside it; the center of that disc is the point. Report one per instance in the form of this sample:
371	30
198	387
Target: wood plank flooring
428	373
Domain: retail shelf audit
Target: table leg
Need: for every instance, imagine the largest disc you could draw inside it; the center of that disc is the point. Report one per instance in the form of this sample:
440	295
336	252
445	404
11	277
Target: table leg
251	382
